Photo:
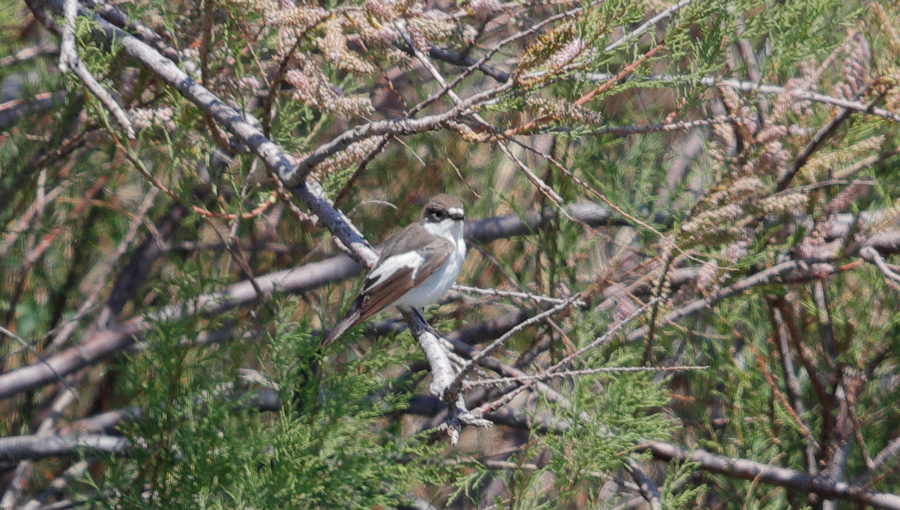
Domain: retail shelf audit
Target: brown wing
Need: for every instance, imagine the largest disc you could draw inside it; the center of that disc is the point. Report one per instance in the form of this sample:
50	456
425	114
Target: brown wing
378	295
350	319
388	290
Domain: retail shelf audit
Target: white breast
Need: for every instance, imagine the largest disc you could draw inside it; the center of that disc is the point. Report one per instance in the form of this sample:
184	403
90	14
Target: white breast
440	282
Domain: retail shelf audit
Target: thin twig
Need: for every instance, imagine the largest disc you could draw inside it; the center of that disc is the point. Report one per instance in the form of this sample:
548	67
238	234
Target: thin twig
103	271
30	348
520	295
652	128
519	327
106	99
604	87
872	256
574	373
650	23
817	140
537	181
791	384
600	340
886	456
797	94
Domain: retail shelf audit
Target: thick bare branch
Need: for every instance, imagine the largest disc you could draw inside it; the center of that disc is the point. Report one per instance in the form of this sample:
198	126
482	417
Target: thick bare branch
771	475
18	448
310	193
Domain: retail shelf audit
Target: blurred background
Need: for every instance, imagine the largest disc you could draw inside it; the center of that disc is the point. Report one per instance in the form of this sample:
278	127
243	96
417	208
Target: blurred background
682	222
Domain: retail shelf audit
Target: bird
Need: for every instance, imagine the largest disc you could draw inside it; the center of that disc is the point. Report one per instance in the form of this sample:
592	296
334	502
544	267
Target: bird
417	266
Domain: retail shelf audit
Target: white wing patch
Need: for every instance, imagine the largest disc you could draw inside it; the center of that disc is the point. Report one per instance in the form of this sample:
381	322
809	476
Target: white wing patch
433	289
393	264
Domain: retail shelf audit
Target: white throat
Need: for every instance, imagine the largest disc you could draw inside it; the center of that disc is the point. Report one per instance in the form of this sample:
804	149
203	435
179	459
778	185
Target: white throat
452	230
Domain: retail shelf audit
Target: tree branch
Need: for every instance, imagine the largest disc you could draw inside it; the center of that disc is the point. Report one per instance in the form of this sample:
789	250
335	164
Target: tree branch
38	447
771	475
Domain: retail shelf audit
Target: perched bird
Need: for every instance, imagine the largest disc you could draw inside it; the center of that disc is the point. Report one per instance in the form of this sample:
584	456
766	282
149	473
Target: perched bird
417	266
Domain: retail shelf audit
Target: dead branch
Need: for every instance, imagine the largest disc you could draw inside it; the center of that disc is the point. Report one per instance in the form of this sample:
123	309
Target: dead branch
771	475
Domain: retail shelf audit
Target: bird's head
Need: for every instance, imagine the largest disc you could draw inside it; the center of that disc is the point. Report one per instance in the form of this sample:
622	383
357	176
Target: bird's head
443	215
443	208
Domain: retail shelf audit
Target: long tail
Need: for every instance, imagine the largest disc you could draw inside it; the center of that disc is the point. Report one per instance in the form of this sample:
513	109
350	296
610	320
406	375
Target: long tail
349	320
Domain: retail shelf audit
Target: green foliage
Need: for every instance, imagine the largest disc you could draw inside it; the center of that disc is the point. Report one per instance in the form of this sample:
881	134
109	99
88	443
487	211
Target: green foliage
607	418
204	445
673	494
